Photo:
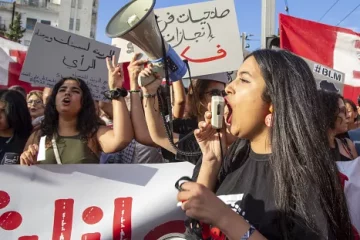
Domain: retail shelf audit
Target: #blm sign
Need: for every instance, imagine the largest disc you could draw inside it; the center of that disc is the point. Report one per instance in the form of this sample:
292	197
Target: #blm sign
78	202
54	53
326	78
206	34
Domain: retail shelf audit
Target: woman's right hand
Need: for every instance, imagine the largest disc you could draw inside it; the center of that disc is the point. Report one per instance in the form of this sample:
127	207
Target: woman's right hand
208	139
29	157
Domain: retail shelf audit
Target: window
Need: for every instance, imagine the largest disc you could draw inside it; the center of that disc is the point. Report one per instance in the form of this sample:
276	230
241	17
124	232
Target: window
77	24
73	3
30	23
46	22
79	4
71	24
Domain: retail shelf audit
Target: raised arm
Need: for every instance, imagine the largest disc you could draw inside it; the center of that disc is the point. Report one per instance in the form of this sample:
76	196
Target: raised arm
153	117
141	130
116	139
179	99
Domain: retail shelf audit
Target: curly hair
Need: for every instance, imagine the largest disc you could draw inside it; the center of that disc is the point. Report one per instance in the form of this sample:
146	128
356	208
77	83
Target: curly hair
330	107
87	120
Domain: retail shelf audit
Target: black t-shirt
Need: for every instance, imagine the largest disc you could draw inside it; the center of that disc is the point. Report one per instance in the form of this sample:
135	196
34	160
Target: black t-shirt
248	187
188	145
11	149
184	126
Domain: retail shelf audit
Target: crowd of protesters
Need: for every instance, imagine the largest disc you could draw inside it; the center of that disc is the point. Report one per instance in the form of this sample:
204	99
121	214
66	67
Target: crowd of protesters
279	144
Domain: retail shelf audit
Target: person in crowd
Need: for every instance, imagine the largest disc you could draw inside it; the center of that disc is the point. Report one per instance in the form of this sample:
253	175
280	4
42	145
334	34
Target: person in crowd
354	130
72	129
46	95
337	123
199	98
353	115
179	99
142	149
36	107
15	126
279	179
19	89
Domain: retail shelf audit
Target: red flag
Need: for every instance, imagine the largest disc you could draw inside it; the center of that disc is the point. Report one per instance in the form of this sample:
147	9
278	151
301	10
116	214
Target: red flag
12	57
335	47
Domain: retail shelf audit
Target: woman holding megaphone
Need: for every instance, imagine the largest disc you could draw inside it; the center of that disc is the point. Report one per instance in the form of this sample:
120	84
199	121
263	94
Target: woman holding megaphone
285	184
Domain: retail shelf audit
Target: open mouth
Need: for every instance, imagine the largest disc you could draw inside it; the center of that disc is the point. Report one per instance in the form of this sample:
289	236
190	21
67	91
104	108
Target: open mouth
229	112
66	101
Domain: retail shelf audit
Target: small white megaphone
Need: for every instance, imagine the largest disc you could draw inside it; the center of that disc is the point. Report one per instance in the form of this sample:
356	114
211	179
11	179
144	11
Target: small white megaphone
136	23
217	111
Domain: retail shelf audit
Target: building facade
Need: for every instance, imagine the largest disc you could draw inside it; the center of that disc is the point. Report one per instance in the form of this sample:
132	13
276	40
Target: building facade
76	16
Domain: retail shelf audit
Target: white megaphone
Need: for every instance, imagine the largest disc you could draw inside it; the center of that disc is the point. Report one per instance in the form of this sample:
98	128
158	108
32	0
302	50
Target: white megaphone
136	23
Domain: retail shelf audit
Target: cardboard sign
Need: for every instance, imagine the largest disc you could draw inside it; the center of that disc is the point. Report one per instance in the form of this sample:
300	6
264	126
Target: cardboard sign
206	34
75	202
54	53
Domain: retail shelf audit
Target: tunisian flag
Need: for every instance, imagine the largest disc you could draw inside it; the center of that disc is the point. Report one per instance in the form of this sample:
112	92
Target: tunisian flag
12	57
335	47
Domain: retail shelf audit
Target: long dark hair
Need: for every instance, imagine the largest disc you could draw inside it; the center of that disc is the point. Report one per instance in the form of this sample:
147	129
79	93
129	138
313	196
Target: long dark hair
17	113
329	101
87	120
302	163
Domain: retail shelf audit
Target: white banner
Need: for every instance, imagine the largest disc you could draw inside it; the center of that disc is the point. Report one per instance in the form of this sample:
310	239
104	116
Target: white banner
54	53
350	178
206	34
79	202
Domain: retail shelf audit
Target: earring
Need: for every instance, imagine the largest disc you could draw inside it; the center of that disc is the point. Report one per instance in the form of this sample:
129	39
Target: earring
268	120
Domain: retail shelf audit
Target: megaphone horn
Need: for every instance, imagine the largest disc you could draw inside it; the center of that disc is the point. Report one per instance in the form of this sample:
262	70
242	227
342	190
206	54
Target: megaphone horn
136	23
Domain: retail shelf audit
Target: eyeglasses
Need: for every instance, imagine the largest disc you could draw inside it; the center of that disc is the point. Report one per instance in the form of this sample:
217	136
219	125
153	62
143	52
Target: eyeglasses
216	92
35	102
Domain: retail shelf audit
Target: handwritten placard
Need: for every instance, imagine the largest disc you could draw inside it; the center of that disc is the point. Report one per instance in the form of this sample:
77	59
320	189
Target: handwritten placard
75	202
206	34
54	53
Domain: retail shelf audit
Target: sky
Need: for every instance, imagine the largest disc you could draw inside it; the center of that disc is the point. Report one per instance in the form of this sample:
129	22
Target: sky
249	14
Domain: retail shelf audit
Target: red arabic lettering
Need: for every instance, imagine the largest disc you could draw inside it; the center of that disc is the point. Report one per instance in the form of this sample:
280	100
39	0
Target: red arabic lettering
4	199
91	236
166	228
222	53
29	238
10	220
92	215
122	218
63	219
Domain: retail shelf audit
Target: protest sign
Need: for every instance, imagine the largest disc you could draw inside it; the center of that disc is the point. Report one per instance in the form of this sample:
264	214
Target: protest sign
206	34
54	53
75	202
349	175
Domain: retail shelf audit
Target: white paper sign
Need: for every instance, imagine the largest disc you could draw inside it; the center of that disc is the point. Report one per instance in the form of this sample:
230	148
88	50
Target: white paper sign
75	202
206	34
54	53
350	177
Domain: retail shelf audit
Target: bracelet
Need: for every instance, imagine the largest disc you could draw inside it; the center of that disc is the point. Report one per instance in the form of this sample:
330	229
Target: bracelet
249	232
150	95
134	91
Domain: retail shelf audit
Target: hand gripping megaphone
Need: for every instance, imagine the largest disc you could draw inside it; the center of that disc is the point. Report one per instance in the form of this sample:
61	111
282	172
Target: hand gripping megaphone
136	23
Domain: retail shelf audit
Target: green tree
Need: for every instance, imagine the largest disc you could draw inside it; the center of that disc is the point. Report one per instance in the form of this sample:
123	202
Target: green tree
15	31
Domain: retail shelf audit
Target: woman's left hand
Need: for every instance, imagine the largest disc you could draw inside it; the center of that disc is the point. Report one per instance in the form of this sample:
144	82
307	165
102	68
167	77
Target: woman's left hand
202	204
116	78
